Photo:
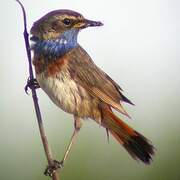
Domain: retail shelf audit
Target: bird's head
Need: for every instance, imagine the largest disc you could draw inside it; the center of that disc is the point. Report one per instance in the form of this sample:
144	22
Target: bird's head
56	23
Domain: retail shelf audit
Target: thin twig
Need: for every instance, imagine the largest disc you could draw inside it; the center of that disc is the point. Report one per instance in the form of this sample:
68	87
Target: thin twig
35	99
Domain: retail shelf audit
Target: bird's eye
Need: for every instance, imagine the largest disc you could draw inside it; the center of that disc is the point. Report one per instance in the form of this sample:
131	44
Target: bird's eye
67	21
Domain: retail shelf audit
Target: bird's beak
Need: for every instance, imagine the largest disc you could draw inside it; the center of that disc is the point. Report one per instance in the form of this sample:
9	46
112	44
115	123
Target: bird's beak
87	23
90	23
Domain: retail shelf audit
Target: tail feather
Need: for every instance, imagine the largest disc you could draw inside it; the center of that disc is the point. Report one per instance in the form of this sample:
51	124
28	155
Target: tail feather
139	147
135	143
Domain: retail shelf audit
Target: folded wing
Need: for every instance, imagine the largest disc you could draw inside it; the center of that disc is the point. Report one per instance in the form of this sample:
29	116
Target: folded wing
99	84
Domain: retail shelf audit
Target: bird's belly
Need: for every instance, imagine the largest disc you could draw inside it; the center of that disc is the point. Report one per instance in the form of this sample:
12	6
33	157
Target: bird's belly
66	94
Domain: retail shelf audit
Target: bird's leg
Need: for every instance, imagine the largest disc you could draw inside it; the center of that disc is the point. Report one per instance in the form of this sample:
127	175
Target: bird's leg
31	83
77	127
56	164
52	168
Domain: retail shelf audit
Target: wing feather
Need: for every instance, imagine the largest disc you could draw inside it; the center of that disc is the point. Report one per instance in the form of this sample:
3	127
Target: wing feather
99	84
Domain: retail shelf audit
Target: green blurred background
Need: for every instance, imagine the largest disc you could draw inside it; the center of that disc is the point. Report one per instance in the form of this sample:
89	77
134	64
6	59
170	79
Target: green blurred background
139	47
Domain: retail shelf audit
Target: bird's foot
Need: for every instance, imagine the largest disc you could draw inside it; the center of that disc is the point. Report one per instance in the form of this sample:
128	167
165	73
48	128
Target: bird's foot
31	83
53	167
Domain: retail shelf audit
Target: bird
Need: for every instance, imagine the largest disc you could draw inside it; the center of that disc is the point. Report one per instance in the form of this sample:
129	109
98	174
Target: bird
71	79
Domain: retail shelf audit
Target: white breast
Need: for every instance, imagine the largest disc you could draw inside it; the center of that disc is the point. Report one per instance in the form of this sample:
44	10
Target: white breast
62	90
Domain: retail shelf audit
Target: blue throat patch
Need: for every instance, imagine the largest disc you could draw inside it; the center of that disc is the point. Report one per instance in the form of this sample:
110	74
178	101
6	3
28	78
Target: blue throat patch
55	48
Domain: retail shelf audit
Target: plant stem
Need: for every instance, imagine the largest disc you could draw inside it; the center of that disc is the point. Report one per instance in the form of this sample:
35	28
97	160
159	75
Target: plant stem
35	99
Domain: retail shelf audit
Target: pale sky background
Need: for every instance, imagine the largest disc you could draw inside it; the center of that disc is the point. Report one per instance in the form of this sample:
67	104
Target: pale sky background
139	47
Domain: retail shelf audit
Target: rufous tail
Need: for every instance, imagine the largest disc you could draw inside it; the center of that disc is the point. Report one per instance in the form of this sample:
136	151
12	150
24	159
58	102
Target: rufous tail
135	143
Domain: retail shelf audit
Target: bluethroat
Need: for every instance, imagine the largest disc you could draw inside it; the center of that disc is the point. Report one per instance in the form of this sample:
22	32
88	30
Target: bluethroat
75	84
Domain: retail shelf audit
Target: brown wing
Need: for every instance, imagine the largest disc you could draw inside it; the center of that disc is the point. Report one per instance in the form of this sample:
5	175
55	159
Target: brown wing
92	78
